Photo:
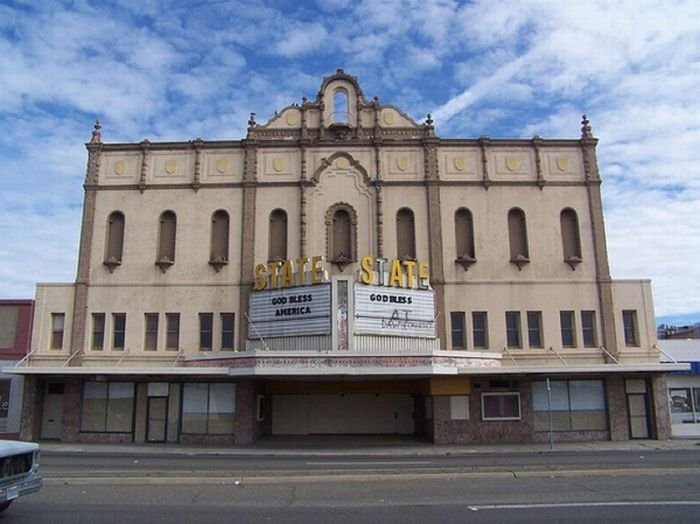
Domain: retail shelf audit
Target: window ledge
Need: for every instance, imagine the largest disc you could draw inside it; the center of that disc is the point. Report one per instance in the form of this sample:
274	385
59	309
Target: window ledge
520	261
465	261
573	261
112	263
342	261
218	262
164	264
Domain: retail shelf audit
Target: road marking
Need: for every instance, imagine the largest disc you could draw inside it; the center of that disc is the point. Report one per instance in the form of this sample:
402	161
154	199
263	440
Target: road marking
587	504
371	463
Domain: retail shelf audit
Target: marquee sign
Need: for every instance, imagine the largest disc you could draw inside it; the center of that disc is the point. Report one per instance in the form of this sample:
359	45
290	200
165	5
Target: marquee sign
299	311
394	311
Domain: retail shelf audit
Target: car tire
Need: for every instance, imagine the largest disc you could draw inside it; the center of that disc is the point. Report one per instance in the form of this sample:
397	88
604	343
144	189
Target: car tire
5	505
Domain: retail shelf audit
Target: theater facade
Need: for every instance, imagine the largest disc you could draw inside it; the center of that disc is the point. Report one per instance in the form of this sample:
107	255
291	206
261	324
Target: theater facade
343	270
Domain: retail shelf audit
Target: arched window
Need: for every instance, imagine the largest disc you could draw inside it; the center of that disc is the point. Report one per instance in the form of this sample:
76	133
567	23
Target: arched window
570	237
405	234
340	106
517	235
115	240
341	235
219	239
277	242
166	240
464	238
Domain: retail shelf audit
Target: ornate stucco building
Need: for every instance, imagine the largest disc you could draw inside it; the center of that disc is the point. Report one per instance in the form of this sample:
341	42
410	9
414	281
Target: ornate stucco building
343	269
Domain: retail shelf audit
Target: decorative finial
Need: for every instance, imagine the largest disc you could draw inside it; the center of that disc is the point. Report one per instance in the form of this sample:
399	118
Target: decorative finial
96	133
429	120
586	128
304	100
251	121
340	71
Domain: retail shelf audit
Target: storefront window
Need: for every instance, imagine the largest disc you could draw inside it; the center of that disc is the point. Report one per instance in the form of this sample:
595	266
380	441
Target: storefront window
500	406
685	405
208	409
576	405
108	407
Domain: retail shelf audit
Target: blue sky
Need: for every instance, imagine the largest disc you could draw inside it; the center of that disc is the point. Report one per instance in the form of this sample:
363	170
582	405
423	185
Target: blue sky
175	70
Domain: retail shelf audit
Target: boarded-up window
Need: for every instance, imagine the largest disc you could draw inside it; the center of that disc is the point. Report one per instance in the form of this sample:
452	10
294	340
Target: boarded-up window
98	331
115	237
151	337
168	231
206	321
342	235
406	234
277	249
219	236
464	234
517	234
227	324
570	239
172	339
57	326
118	331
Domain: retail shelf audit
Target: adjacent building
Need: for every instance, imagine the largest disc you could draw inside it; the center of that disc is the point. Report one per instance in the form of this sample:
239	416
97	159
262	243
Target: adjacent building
683	386
343	270
15	335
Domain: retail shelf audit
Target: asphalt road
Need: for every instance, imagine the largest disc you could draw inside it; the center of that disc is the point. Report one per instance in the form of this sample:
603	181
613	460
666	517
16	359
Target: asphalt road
659	486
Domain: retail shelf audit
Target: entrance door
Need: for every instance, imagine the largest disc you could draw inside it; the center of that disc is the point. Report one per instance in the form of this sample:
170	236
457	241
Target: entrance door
52	417
638	406
157	421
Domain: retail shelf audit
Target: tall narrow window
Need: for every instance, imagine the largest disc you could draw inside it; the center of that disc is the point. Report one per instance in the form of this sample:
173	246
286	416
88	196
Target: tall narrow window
517	236
480	329
115	240
341	234
464	238
513	339
118	331
340	107
629	324
590	339
58	321
568	331
166	240
98	331
206	321
227	320
534	329
219	239
570	237
277	248
150	342
405	234
457	322
172	339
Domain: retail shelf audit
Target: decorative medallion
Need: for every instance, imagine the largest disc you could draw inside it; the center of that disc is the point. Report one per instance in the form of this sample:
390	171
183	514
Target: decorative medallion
342	163
459	163
389	117
278	164
292	118
222	165
402	163
119	167
170	166
512	163
563	164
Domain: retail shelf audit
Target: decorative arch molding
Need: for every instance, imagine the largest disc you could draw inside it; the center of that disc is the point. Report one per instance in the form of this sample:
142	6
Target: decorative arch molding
335	253
327	163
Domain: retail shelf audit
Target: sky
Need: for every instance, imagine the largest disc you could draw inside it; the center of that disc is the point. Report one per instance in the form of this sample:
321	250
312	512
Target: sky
176	70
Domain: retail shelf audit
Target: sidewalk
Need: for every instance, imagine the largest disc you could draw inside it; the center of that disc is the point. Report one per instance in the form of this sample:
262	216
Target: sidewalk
364	445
